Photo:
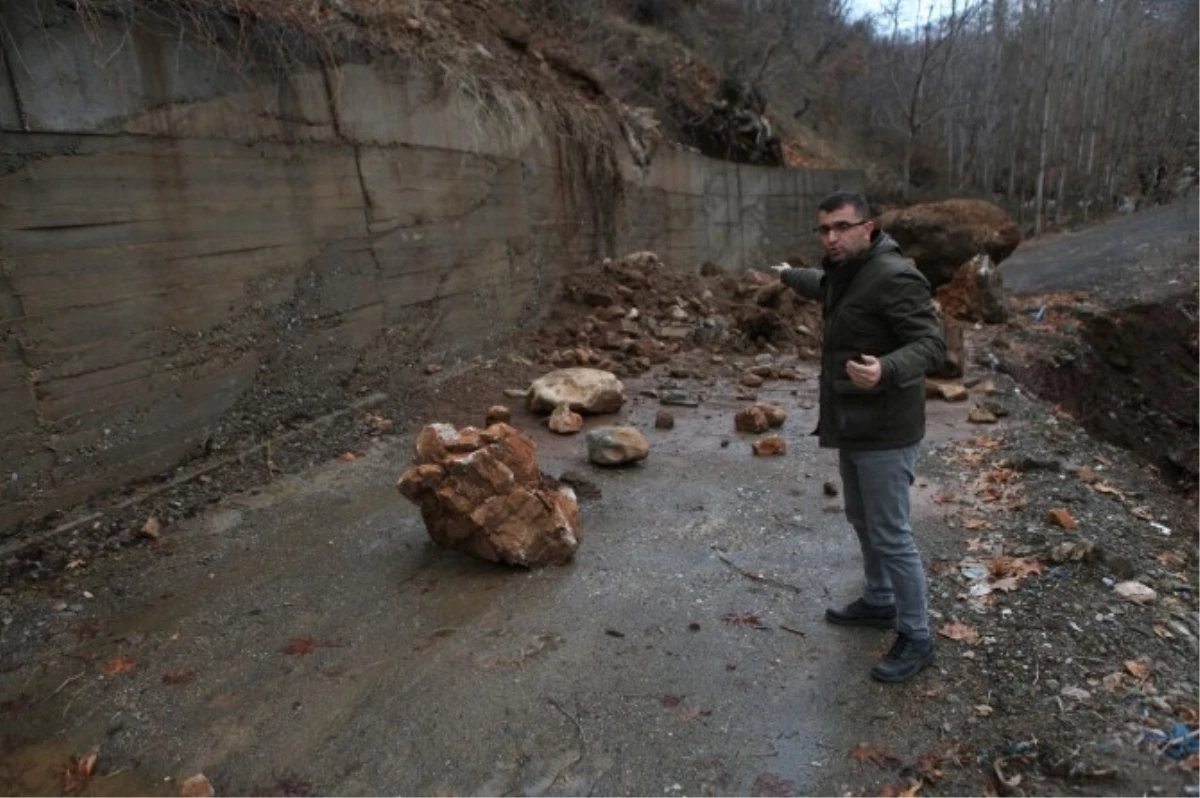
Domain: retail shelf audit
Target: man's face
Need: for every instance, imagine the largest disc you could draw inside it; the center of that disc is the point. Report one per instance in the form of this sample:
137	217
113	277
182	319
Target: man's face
843	234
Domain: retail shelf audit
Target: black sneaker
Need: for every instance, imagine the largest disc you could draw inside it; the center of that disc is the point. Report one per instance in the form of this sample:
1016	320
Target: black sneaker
860	613
905	659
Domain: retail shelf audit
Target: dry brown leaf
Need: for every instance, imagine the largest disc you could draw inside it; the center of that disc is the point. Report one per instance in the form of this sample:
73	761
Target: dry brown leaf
912	789
119	665
959	631
1163	632
876	756
975	523
944	498
300	646
1138	668
1113	681
1144	513
180	676
1104	487
78	772
986	441
1189	715
197	786
1192	762
76	563
1086	474
1007	584
743	619
975	544
1060	517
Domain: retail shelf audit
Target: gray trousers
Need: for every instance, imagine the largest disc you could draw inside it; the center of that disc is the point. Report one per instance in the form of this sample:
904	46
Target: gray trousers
876	486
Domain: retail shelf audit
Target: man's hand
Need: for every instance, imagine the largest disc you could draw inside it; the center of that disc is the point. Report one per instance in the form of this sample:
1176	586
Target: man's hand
780	268
866	372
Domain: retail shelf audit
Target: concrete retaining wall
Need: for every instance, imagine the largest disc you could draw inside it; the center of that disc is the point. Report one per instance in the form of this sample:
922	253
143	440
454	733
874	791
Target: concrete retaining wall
190	251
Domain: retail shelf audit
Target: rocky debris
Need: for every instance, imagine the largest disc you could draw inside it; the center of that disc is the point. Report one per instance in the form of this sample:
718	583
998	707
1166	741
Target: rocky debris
751	419
1060	517
498	414
678	399
611	446
770	446
1135	592
950	391
975	293
629	314
564	420
584	390
197	786
981	415
664	419
942	236
481	493
731	125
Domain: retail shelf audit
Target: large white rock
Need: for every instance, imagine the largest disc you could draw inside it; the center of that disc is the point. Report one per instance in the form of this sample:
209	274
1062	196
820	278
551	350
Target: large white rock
584	390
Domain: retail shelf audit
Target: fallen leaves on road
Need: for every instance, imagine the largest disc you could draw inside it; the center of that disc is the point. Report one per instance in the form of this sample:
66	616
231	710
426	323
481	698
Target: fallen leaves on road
300	646
876	756
1138	668
908	792
960	632
78	772
1060	517
1086	475
197	786
744	619
975	523
1104	487
119	665
180	676
772	785
1016	567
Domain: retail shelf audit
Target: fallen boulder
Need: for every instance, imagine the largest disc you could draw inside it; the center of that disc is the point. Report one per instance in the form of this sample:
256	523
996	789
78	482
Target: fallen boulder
941	236
610	446
481	493
584	390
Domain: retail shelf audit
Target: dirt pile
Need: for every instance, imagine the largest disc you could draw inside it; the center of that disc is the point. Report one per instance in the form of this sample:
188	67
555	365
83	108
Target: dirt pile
629	314
1129	375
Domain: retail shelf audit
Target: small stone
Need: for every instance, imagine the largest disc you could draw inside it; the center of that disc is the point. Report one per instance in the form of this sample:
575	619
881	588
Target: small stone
980	415
516	393
433	368
664	420
197	786
751	380
1135	592
949	391
1076	693
565	421
497	414
775	415
770	446
152	528
608	446
679	399
752	419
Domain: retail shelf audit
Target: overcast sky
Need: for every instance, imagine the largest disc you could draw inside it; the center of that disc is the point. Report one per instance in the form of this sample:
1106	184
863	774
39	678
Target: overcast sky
911	11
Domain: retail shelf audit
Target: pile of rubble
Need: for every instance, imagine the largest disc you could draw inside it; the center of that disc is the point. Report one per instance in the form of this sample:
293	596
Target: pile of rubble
630	314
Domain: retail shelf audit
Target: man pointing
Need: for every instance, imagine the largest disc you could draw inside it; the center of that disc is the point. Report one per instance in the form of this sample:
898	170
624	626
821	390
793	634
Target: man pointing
881	335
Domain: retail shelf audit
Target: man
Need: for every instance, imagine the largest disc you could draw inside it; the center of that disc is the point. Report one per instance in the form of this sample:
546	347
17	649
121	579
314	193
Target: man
881	335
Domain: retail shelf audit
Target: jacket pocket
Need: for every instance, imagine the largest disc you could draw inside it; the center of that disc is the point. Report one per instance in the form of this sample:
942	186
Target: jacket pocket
860	415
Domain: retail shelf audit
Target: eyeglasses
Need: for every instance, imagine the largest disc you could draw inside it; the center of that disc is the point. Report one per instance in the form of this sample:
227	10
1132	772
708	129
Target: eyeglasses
837	227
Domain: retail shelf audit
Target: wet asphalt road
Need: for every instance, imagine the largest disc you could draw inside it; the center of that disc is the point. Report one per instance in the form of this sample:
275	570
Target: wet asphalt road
431	673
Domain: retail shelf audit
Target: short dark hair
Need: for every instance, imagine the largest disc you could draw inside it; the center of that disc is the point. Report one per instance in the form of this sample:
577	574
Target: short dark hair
840	199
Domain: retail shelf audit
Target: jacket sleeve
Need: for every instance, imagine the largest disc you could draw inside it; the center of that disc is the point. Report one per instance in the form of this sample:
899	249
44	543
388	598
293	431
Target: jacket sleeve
805	282
907	305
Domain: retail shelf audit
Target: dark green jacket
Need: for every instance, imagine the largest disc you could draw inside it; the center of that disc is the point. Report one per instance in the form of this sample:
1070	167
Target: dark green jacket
877	304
